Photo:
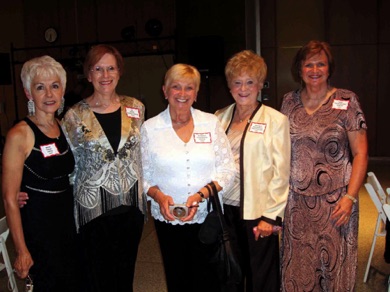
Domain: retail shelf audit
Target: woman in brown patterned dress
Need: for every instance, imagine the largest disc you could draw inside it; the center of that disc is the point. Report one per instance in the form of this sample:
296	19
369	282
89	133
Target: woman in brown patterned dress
328	165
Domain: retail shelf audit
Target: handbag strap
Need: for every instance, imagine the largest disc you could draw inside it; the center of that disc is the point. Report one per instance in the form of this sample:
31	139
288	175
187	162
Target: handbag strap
217	205
209	203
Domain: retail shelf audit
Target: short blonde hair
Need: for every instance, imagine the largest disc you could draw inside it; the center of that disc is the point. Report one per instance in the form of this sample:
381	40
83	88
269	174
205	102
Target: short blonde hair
44	66
182	71
246	62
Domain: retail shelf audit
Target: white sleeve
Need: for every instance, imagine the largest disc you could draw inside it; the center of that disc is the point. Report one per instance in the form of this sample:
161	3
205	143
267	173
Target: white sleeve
224	159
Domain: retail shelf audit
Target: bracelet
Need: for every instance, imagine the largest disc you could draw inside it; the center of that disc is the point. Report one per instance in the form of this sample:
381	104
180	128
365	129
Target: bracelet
201	195
352	198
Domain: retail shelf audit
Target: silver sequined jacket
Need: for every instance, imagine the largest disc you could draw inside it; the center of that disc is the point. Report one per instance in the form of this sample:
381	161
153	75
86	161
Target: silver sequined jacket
102	180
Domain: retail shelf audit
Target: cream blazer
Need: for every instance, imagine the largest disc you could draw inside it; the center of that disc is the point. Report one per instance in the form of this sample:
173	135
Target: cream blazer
264	162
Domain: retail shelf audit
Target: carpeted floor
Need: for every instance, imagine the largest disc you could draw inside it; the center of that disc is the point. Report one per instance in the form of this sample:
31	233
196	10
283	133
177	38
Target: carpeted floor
149	275
380	270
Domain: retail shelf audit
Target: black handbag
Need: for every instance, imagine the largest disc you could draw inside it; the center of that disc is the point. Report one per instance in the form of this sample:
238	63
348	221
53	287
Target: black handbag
214	231
210	231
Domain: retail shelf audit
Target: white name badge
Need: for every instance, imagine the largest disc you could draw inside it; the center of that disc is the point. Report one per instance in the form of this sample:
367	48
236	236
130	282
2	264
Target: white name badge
340	104
49	150
133	112
257	128
202	137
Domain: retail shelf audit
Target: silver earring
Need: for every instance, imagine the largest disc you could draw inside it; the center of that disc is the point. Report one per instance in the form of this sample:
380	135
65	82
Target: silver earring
61	108
31	107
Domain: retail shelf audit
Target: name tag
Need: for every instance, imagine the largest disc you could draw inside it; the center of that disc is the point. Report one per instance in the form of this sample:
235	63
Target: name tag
133	112
202	137
258	128
340	104
49	150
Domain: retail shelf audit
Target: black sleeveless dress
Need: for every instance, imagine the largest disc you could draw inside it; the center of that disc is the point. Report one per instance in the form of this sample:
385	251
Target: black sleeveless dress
48	221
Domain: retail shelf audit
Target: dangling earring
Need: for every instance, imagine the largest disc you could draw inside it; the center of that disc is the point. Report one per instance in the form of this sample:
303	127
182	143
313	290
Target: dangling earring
61	108
31	107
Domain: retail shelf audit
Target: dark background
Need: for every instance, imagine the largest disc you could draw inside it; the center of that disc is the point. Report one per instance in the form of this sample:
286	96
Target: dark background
154	34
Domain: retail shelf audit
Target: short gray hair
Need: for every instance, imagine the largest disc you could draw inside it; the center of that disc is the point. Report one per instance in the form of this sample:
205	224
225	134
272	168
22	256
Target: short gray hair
42	66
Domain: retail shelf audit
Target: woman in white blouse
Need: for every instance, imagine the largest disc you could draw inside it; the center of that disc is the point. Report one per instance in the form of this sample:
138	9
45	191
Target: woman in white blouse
183	149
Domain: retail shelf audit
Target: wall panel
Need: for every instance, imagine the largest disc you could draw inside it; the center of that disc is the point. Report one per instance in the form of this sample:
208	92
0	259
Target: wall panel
352	21
359	34
112	18
86	22
383	102
356	70
143	80
39	15
68	23
285	81
90	21
298	21
210	18
384	21
270	93
267	24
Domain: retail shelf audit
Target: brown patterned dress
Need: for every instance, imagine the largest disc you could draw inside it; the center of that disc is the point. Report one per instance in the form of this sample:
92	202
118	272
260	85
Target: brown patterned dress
317	255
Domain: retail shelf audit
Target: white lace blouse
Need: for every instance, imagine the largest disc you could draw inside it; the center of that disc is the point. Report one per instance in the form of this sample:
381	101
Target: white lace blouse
181	169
